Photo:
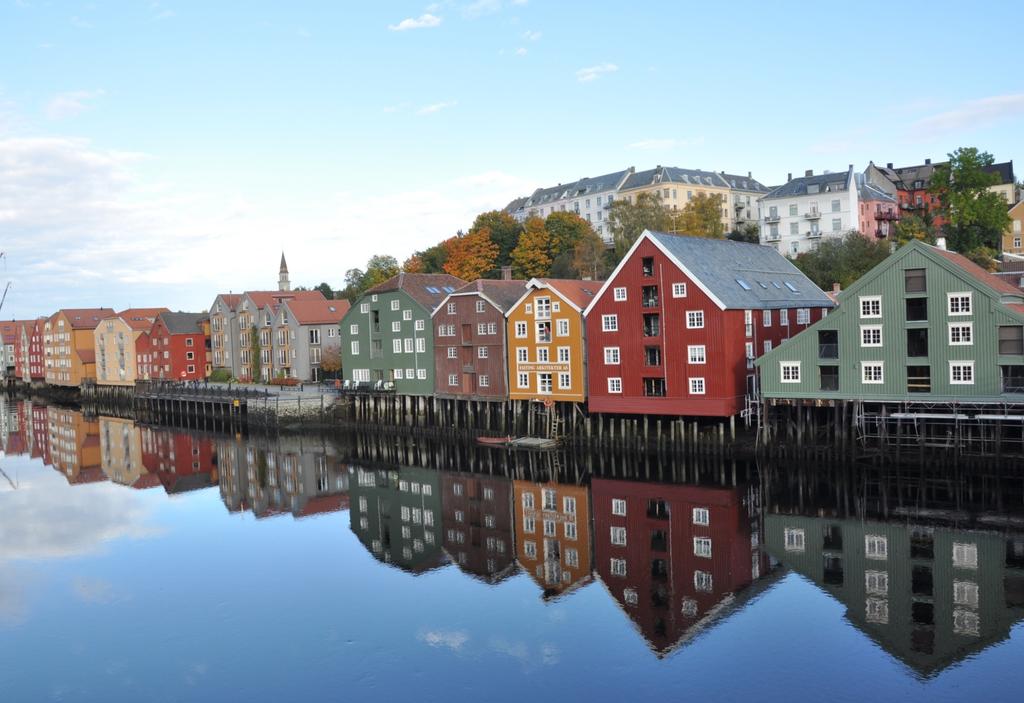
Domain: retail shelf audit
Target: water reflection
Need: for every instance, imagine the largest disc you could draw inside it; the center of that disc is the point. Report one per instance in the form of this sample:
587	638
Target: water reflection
930	569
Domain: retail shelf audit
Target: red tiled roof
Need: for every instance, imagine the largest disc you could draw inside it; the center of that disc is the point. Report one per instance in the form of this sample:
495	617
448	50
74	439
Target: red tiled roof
231	299
580	293
978	273
273	298
1016	307
140	318
318	312
146	481
85	318
503	293
87	356
324	504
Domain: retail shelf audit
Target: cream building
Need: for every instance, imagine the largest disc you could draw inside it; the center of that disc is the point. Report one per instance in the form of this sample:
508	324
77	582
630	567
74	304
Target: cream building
114	343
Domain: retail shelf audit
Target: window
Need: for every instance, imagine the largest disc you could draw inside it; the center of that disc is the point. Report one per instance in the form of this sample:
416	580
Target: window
876	610
795	539
835	206
353	329
618	567
527	501
647	266
529	525
803	316
453	353
914	281
523	380
703	582
871	372
530	548
570	530
917	309
1011	340
678	290
396	346
420	326
618	536
421	374
871	306
484	381
965	593
569	505
618	507
562	328
481	352
701	516
408	345
522	354
453	379
766	318
572	558
611	355
871	335
876	547
398	374
396	326
965	555
876	582
614	385
619	294
837	224
702	547
697	354
793	210
959	303
696	386
789	371
961	373
480	306
355	348
481	329
694	319
520	330
961	334
564	381
543	354
610	323
549	528
784	318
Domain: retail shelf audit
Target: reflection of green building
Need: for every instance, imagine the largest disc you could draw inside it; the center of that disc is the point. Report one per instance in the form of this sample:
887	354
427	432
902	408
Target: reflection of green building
397	516
929	595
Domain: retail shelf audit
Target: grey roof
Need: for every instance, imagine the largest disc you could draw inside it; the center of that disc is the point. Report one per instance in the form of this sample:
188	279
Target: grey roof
516	205
427	289
826	183
671	174
744	276
577	189
904	177
868	191
744	183
502	293
183	322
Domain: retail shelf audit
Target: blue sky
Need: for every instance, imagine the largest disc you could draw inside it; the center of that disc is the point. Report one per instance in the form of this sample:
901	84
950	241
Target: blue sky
161	152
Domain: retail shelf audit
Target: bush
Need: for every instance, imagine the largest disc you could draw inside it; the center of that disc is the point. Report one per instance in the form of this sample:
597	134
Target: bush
284	381
220	375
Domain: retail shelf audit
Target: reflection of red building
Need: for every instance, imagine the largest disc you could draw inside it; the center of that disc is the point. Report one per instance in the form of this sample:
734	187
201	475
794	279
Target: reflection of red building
476	514
671	555
182	462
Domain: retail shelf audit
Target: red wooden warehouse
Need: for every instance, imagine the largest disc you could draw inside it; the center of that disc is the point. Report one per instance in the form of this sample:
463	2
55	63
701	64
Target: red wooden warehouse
676	327
179	344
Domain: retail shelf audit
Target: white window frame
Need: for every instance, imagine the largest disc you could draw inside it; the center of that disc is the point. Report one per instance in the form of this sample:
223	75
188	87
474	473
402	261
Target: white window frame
697	385
610	323
618	507
615	385
766	318
865	365
694	319
961	326
612	356
697	353
870	300
618	536
561	327
702	547
619	294
678	290
958	295
876	547
521	330
701	516
787	368
963	364
870	329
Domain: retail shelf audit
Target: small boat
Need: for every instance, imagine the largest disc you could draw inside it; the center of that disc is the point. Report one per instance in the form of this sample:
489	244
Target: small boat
494	441
518	442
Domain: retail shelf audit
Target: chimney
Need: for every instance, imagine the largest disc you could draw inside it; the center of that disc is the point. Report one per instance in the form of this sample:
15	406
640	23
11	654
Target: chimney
506	273
927	162
808	173
940	242
749	174
889	165
789	177
836	288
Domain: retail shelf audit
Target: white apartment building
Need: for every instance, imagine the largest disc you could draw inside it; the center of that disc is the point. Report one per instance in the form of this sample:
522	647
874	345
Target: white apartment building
796	216
588	197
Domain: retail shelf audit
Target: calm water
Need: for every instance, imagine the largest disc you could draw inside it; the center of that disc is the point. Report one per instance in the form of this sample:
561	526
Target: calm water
140	564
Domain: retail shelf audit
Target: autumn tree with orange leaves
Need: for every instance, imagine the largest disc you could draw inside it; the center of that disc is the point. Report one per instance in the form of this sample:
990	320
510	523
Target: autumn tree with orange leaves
531	257
471	255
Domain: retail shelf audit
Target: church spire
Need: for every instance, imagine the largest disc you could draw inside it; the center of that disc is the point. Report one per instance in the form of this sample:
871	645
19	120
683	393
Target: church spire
282	279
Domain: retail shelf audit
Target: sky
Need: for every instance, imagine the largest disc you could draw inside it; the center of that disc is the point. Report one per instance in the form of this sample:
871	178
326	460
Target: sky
158	153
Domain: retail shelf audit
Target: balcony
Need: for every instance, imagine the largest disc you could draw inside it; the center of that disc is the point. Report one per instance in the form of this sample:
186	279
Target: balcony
772	237
887	215
772	219
828	351
881	233
467	368
814	234
812	214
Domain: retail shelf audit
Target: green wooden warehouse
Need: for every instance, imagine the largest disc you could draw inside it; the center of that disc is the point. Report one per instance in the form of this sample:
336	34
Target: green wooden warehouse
387	340
925	326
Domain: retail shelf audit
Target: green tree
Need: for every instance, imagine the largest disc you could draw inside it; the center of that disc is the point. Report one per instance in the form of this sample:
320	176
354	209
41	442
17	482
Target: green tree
843	260
591	257
255	349
530	258
749	233
976	217
702	217
628	220
565	229
326	290
379	269
471	255
910	227
433	258
503	230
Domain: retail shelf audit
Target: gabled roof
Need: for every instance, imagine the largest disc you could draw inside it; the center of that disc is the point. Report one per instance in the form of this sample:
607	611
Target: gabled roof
826	183
317	312
905	176
273	298
577	293
747	182
671	174
141	318
575	189
85	318
978	273
868	191
501	294
736	275
231	300
183	322
427	289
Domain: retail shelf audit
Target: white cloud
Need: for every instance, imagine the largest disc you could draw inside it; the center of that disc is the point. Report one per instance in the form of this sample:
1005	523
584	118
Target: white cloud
75	102
664	144
531	35
436	107
521	51
424	21
971	114
585	75
450	639
481	7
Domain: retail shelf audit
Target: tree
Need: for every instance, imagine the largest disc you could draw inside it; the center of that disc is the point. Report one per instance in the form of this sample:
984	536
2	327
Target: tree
530	257
433	258
702	217
326	290
842	261
414	264
503	229
471	255
565	230
628	220
255	349
379	269
749	233
330	361
911	227
976	217
590	257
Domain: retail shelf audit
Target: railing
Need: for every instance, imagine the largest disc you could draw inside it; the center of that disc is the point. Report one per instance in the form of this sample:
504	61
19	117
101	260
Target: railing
887	215
814	234
772	218
1015	385
812	215
651	302
828	351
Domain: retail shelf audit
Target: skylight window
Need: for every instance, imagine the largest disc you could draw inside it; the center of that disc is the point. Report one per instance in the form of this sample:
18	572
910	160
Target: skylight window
776	284
449	289
432	289
763	284
743	284
791	287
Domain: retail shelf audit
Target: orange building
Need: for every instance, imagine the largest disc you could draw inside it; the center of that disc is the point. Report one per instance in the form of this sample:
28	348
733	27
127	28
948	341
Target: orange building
552	528
546	340
69	347
75	446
